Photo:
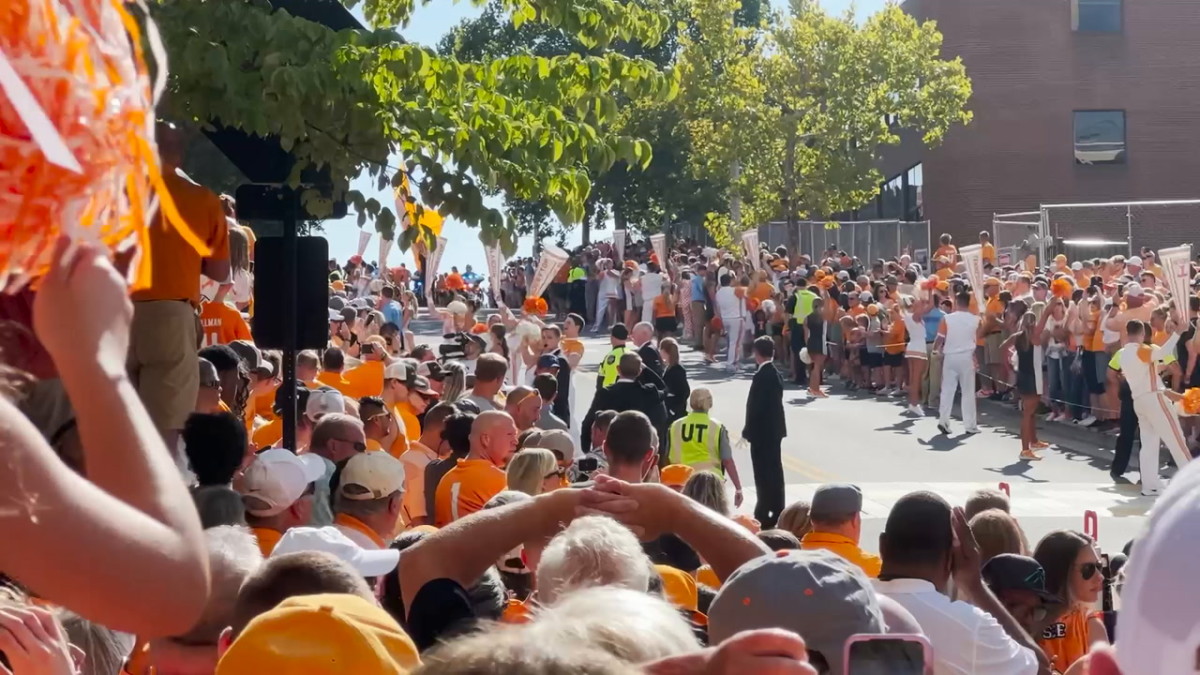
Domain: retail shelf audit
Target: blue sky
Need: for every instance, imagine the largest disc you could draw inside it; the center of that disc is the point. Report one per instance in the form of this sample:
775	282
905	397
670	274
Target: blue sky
428	25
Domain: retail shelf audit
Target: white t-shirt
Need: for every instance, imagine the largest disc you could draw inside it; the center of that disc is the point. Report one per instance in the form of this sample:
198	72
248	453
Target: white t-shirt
966	640
652	283
961	328
729	305
243	287
1143	378
609	283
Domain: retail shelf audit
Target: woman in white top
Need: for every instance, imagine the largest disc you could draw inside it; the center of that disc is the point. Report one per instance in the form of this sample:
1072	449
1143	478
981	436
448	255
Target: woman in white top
913	312
732	311
608	302
239	268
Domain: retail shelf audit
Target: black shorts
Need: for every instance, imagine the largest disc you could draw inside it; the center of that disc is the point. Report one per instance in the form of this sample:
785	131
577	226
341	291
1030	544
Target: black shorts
893	360
1091	377
666	324
776	329
871	359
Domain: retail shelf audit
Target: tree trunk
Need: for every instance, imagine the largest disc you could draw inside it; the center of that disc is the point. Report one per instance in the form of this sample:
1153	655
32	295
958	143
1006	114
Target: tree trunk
789	199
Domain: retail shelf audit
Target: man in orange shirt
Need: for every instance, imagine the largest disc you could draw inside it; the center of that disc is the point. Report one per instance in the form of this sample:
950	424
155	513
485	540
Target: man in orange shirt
333	362
399	385
277	490
164	334
476	479
988	249
454	281
947	249
836	515
221	322
366	379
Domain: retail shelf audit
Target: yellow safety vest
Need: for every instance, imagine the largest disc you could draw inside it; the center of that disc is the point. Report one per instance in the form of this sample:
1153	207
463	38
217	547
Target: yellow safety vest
696	442
804	305
608	367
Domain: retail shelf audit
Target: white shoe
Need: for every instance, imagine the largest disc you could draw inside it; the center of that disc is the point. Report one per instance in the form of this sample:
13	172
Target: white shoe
916	410
1052	417
1152	492
1087	421
898	393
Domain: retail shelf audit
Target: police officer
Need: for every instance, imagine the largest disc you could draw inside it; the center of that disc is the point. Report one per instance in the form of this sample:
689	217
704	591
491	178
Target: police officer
608	367
800	305
701	442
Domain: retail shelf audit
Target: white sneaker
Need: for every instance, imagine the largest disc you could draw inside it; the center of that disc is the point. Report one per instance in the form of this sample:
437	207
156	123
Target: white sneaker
898	393
916	410
1151	492
1087	421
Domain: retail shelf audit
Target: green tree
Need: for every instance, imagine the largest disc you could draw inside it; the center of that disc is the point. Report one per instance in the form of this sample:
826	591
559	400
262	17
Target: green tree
797	110
346	101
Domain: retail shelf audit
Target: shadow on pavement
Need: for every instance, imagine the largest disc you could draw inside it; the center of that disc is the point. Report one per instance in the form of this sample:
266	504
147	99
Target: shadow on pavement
1018	469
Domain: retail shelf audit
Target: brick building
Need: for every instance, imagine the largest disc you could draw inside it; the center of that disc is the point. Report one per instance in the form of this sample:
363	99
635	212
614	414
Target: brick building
1075	101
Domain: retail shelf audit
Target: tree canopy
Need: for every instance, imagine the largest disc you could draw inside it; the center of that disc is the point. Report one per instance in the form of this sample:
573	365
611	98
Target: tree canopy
348	101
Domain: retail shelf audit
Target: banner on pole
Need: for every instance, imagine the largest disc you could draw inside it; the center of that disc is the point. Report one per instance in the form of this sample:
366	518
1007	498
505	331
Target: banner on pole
495	262
972	258
385	247
552	260
750	243
434	260
619	243
364	238
659	243
1177	267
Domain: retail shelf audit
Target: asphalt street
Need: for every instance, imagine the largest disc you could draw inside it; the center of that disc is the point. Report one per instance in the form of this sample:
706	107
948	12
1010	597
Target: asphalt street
872	443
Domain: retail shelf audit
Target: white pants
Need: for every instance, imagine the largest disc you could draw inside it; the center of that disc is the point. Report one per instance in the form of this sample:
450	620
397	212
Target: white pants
601	311
734	328
648	310
1159	424
958	373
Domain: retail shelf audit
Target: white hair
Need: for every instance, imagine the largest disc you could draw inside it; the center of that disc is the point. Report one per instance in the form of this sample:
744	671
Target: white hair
233	555
634	626
592	551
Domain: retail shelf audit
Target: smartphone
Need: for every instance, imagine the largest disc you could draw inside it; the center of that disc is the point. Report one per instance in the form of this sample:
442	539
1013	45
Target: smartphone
888	654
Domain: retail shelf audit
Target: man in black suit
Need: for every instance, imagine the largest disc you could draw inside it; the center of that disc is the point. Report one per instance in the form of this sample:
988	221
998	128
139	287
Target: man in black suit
765	429
653	368
627	393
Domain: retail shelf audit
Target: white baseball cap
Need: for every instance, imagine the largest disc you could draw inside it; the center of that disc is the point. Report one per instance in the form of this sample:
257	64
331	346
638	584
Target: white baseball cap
399	370
322	401
1133	289
1159	630
329	539
277	477
371	475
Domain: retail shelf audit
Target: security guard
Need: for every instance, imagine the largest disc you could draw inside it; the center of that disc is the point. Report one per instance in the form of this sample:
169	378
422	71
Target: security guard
701	442
608	367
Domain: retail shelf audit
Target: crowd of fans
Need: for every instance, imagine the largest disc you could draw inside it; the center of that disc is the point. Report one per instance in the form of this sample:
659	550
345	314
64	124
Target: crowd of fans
443	510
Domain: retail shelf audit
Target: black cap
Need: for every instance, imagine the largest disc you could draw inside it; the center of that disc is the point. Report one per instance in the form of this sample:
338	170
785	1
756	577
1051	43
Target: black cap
1011	572
620	332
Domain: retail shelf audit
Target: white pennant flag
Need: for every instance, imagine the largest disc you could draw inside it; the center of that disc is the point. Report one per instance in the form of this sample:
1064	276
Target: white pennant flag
431	268
495	261
364	238
972	258
385	247
619	243
1177	267
750	243
659	243
552	260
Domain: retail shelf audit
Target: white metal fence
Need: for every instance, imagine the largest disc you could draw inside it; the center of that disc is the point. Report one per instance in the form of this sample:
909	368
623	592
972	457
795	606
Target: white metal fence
867	240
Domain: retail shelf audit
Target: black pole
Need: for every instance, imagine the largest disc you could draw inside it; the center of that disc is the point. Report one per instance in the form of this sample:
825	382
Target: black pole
289	319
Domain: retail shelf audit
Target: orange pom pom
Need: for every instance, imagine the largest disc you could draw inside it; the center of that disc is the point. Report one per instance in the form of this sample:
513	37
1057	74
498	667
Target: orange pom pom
1062	288
1190	403
535	306
716	324
79	158
479	328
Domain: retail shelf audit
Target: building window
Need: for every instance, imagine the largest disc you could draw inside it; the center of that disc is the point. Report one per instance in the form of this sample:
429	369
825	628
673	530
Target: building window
1096	16
914	185
1099	137
892	202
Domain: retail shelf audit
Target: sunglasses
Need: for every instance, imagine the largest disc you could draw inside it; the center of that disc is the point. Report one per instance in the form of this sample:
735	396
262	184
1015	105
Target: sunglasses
1089	570
559	473
358	447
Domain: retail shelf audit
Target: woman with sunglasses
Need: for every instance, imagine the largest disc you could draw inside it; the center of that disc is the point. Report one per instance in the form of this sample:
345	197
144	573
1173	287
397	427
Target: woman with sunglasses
1075	574
534	471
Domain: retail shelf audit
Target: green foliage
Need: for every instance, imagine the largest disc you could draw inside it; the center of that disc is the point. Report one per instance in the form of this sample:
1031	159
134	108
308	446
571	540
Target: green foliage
531	127
802	103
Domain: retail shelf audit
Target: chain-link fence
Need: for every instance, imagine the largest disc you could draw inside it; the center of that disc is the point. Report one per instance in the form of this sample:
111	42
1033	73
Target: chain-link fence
1017	237
867	240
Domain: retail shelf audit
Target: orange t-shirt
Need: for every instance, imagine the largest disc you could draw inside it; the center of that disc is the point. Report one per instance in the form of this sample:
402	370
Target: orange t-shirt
364	380
267	539
268	434
950	251
465	489
1066	641
175	265
335	380
988	253
896	338
762	291
454	282
222	324
572	346
663	308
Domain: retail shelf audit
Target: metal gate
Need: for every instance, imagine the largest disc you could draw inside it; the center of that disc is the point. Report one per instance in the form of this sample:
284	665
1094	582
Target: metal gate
867	240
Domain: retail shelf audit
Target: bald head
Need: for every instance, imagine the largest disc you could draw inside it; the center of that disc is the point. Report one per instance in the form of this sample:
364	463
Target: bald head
337	436
493	437
524	405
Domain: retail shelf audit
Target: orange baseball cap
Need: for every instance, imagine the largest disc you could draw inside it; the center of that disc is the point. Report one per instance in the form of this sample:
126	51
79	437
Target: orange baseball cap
340	634
338	285
680	589
676	475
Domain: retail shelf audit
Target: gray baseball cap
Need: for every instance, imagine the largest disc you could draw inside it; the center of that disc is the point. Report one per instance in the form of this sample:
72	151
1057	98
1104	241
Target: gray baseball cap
817	594
836	499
